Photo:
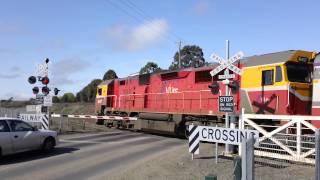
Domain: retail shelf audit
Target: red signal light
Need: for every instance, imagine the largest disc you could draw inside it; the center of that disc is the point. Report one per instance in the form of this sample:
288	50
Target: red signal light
45	80
45	90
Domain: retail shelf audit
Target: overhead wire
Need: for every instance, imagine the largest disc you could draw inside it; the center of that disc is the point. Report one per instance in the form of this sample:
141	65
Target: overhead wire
147	16
142	17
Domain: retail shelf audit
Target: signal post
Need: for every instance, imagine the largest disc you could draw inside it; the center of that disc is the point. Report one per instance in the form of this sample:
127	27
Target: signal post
44	100
226	103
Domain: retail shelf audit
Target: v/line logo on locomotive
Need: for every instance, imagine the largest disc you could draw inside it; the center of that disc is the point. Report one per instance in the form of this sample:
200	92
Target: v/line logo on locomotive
277	83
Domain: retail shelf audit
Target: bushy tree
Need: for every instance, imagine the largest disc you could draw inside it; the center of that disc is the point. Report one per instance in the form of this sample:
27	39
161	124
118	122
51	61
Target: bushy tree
88	93
55	99
150	67
68	97
110	74
191	56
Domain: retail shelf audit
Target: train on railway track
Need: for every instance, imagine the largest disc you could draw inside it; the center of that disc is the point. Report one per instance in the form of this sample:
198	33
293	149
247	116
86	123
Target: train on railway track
281	83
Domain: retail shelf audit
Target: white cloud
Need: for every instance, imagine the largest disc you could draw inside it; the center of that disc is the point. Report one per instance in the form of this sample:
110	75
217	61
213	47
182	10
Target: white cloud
140	37
201	7
13	73
63	71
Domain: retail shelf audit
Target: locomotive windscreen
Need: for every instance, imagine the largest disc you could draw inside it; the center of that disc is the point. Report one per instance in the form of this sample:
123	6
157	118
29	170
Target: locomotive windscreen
299	72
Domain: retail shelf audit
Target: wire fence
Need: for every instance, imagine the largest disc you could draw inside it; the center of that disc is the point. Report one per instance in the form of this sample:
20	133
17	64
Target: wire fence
11	112
66	125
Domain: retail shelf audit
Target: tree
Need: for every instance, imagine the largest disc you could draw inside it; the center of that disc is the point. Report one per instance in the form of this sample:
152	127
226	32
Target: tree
88	93
191	56
110	74
55	99
68	97
150	67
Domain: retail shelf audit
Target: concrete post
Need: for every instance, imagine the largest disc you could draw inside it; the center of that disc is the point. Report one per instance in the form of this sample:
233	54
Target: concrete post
248	159
317	146
237	168
232	126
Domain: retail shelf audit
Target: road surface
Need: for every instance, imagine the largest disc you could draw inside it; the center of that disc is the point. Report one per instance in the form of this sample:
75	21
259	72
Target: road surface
89	156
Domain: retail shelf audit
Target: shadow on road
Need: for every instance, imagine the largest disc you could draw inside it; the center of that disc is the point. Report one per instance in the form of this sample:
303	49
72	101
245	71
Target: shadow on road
34	155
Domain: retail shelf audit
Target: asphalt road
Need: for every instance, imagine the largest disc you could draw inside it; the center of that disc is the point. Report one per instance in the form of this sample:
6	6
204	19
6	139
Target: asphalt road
89	156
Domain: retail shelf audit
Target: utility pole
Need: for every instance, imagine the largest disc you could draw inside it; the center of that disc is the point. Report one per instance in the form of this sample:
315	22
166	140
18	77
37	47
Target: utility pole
179	52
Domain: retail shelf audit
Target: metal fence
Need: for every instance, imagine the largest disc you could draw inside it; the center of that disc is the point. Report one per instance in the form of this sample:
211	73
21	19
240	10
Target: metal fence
65	125
11	112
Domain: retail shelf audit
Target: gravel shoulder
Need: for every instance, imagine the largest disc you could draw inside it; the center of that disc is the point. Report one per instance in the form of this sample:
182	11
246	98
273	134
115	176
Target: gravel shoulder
177	165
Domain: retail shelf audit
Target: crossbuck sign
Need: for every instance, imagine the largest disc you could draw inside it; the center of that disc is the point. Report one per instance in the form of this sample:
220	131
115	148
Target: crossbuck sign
226	64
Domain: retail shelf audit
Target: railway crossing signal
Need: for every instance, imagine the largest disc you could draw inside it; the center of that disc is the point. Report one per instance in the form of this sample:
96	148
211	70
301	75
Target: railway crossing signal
45	80
226	64
45	90
56	91
42	77
32	79
35	90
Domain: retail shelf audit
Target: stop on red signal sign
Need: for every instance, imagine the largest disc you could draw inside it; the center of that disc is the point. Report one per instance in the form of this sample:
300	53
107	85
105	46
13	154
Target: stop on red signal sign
226	103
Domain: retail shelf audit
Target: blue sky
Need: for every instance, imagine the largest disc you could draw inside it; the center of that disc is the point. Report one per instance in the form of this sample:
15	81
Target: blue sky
83	39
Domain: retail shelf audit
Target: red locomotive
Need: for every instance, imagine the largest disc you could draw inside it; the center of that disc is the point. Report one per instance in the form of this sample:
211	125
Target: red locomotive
276	83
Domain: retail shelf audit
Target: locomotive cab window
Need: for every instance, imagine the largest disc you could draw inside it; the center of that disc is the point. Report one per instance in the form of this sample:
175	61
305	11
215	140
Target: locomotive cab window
298	72
267	77
202	76
278	74
100	91
123	82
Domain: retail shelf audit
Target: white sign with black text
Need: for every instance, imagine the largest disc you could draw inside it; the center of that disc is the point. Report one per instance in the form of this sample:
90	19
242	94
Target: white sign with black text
226	64
47	100
218	135
42	118
225	135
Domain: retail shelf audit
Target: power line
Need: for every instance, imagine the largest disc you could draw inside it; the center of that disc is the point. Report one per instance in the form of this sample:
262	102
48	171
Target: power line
142	18
146	15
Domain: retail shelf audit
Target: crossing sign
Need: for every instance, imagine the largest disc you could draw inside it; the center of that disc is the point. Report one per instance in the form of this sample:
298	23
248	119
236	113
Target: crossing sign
226	64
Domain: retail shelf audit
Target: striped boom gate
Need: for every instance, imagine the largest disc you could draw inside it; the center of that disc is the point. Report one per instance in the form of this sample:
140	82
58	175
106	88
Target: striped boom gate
95	117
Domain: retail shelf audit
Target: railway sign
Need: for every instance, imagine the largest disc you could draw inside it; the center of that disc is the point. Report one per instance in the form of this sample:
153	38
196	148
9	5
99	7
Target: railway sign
218	135
226	135
226	64
226	103
33	108
41	118
47	100
226	76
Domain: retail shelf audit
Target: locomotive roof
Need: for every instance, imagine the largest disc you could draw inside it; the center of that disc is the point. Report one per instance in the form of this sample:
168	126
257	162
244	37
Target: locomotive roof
105	82
177	70
271	58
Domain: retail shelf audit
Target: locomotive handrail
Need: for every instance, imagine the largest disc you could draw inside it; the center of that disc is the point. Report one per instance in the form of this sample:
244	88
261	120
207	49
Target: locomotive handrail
288	97
114	100
180	92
